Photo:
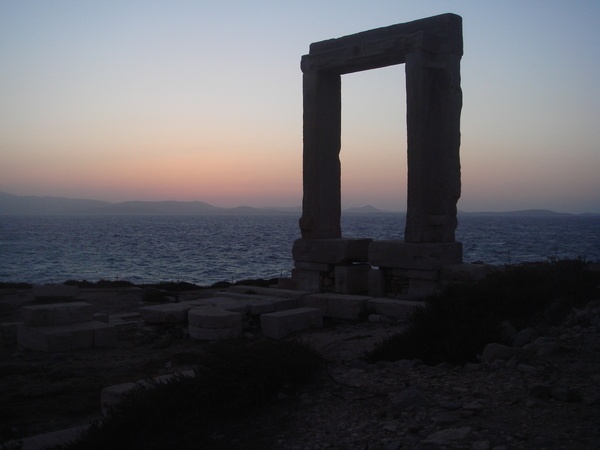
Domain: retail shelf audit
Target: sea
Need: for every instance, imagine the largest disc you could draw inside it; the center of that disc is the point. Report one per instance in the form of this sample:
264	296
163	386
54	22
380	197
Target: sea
207	249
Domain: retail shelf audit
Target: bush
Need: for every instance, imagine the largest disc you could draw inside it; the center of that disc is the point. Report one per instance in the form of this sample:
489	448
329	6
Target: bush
455	325
234	381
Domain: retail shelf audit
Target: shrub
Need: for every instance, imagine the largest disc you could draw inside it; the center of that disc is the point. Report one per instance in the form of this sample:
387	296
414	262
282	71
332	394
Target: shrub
234	381
455	325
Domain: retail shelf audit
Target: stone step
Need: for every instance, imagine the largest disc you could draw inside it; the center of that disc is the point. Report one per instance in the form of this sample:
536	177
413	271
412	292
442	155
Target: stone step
338	306
279	324
56	314
72	336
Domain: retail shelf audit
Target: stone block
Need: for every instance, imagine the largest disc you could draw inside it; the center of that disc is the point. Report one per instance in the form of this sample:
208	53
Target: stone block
214	334
73	336
287	283
228	304
214	318
352	279
105	336
376	283
318	267
9	332
338	306
415	256
268	291
110	396
254	304
417	274
168	312
393	308
423	288
101	317
57	291
465	272
56	314
260	305
283	304
124	317
279	324
126	328
331	251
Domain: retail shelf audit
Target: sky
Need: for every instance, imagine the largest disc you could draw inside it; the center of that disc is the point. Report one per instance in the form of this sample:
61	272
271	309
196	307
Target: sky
202	100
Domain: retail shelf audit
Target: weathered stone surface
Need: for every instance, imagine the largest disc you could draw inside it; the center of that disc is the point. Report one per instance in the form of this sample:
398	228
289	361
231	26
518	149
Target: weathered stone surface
525	336
277	325
432	49
433	275
419	256
9	332
214	318
411	397
268	292
338	306
495	351
168	312
352	279
55	291
110	396
57	314
421	288
331	251
73	336
214	334
433	102
396	309
316	267
376	283
228	304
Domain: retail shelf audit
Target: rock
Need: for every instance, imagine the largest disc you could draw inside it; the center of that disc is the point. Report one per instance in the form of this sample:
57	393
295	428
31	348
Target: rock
564	394
151	294
395	445
444	437
452	406
524	337
540	391
494	351
446	419
481	445
411	397
508	333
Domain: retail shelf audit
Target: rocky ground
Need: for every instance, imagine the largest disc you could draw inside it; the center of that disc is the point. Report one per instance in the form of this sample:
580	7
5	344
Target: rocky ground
535	400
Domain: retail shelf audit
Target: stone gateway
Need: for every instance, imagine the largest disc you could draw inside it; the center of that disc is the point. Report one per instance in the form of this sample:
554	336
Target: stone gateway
431	50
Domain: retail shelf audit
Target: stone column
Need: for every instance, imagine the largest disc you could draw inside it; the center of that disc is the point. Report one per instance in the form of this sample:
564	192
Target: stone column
434	102
321	203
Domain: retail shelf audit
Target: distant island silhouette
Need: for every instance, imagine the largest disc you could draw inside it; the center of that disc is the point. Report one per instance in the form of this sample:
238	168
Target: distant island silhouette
35	205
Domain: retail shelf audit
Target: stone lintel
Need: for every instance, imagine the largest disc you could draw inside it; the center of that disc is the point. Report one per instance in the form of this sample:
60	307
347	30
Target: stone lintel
331	251
414	256
447	26
370	55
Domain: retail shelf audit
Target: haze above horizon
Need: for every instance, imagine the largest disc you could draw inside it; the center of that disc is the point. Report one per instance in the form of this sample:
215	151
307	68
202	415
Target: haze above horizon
190	101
